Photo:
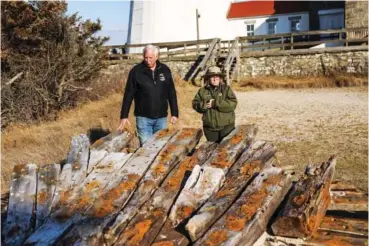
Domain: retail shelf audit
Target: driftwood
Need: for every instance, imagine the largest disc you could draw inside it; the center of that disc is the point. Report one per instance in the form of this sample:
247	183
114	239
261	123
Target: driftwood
21	204
103	211
307	203
247	167
74	170
111	199
48	176
247	218
114	142
78	201
177	148
154	212
206	180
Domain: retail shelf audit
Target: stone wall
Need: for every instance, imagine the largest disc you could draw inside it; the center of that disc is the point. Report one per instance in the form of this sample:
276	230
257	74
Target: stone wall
353	60
306	63
356	14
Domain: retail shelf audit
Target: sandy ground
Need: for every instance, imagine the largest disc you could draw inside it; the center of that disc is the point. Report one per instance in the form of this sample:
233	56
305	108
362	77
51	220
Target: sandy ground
310	125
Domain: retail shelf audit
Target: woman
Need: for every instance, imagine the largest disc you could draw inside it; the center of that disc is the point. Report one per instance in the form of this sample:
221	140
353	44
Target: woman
216	102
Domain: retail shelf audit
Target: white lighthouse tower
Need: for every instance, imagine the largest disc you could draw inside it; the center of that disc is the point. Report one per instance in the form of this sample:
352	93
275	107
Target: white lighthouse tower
175	20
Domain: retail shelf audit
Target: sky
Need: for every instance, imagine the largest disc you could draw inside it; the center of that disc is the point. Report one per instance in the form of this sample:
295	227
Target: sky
114	16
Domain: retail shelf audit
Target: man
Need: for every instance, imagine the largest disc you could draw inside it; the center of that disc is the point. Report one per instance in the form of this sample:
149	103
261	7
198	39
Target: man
150	85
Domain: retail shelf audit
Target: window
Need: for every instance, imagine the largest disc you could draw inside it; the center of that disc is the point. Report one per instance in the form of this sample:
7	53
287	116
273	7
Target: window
272	27
295	25
249	29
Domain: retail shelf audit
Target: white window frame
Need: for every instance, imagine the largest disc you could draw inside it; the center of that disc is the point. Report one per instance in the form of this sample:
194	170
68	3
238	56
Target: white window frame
274	29
295	25
250	32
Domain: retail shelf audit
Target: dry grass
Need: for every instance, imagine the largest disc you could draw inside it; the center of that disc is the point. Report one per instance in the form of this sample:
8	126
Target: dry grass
273	82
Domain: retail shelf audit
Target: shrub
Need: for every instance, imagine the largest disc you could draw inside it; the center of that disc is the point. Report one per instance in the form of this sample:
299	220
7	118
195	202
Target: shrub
48	58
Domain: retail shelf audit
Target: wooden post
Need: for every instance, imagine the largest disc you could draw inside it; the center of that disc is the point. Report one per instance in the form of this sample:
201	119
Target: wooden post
185	50
291	41
307	203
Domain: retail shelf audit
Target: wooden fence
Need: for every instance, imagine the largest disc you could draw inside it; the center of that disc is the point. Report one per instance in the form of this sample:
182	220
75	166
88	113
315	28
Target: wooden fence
183	50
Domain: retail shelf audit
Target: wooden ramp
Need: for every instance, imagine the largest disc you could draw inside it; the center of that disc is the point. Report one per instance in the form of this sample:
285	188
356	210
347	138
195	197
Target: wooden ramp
173	191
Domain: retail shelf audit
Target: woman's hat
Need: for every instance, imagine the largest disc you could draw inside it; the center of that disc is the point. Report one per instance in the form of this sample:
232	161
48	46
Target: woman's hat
213	70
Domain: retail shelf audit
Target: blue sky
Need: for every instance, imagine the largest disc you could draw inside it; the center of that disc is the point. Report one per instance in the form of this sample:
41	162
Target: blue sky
114	17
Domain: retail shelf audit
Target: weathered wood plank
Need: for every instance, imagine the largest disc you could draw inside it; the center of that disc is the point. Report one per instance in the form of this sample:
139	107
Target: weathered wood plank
354	226
348	201
247	218
78	200
307	203
114	142
176	148
153	213
338	238
338	185
74	170
48	176
117	192
78	158
21	204
207	180
320	238
254	159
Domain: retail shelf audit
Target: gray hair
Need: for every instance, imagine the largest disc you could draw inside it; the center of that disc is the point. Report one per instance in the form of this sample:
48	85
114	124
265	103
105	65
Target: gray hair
152	48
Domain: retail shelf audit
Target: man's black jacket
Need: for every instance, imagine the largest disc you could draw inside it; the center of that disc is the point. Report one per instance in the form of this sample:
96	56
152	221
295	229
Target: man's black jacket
151	91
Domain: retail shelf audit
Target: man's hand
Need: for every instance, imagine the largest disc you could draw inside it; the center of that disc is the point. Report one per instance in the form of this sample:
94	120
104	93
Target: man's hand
173	120
210	103
123	123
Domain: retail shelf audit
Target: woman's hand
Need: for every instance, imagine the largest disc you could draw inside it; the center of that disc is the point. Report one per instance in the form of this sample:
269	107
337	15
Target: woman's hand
210	103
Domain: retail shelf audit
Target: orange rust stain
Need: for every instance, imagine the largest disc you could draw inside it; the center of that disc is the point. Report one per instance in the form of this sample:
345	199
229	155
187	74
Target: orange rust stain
166	154
136	234
105	205
164	243
148	183
298	200
252	204
174	182
216	238
250	168
185	211
133	177
42	197
159	169
158	212
223	193
234	223
221	160
92	185
237	139
64	196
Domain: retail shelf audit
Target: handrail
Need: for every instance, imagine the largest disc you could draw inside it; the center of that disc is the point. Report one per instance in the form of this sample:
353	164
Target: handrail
208	54
233	53
162	44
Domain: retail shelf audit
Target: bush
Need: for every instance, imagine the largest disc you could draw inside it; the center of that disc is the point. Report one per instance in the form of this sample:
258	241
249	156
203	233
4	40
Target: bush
47	58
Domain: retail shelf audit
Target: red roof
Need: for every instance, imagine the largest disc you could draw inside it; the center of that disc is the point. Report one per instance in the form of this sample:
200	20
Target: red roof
265	8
